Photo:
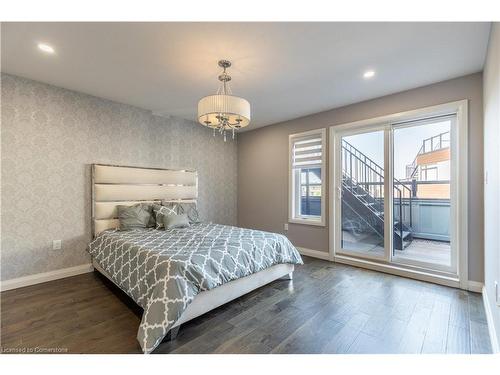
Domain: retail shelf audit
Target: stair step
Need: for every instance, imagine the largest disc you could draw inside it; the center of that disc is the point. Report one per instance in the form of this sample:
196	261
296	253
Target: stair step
405	234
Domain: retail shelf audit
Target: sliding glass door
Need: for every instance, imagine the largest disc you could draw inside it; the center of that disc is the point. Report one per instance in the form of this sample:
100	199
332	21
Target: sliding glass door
395	193
362	196
422	200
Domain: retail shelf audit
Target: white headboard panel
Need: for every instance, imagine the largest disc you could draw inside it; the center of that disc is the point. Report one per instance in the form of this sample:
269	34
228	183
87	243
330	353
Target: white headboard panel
114	185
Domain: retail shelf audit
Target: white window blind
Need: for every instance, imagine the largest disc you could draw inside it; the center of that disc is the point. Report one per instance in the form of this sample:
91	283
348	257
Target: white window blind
307	151
306	204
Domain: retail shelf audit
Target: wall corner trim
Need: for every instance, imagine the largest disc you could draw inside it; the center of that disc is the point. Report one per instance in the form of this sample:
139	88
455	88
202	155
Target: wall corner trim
495	346
314	253
45	276
475	286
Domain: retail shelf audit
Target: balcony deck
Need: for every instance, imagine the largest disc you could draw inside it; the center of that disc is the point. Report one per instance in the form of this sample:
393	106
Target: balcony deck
436	252
430	251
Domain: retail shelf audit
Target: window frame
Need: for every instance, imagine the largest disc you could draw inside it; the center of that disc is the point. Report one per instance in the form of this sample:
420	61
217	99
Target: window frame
294	184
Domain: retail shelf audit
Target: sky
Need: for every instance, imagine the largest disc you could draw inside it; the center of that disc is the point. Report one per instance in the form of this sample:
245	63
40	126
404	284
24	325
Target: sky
407	143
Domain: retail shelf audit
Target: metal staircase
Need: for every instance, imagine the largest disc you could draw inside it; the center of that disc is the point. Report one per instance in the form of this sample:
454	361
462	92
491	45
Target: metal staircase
363	196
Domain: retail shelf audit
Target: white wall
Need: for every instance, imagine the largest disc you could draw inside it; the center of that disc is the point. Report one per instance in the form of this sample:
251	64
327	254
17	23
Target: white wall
491	103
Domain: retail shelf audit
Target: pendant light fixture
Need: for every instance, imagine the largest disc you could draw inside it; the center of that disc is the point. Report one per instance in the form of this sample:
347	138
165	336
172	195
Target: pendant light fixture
224	112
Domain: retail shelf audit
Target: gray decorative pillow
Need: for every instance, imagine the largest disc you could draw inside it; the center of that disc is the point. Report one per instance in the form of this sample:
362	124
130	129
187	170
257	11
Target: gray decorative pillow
191	211
134	217
152	219
175	221
161	211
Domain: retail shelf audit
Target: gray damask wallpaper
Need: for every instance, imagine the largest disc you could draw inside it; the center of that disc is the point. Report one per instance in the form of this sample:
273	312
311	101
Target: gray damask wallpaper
50	136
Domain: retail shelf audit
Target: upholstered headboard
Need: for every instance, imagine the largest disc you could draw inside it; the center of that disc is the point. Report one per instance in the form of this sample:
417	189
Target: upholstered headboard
114	185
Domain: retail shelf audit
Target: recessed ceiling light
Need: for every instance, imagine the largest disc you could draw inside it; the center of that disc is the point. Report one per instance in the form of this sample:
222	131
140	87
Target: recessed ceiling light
369	74
45	48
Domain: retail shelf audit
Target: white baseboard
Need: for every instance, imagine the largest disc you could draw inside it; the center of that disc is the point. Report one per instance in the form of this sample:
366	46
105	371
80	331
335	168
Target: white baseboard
475	286
495	346
314	253
44	277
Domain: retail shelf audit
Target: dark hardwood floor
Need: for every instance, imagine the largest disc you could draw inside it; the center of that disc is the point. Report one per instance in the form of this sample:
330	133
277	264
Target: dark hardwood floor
327	308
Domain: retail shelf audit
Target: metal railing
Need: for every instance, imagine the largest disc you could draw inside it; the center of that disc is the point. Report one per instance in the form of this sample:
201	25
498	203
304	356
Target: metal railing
436	142
362	172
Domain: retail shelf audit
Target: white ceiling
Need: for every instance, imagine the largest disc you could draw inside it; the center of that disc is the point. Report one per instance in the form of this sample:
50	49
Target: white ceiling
285	70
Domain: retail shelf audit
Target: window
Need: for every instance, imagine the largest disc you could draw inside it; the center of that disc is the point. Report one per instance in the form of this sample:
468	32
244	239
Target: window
310	192
429	172
307	182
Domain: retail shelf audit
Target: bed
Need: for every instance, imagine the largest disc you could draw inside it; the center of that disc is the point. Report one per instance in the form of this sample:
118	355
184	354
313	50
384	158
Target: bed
179	274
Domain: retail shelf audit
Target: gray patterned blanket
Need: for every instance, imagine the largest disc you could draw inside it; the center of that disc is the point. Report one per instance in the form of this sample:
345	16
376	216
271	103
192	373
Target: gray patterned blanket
162	271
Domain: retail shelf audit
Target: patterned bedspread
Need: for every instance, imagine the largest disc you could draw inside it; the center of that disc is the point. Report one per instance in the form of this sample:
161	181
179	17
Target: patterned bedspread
164	270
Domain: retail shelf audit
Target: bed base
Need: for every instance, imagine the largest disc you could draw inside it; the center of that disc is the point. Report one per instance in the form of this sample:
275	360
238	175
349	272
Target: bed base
211	299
